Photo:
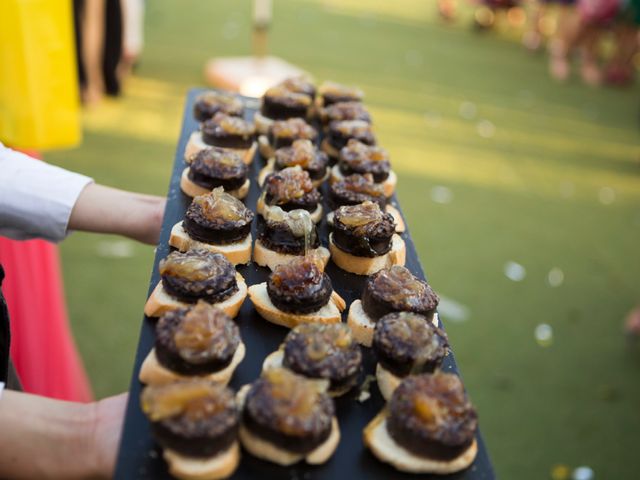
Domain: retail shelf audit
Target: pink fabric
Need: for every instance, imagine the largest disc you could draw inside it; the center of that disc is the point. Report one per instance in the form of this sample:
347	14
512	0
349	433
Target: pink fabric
598	12
42	346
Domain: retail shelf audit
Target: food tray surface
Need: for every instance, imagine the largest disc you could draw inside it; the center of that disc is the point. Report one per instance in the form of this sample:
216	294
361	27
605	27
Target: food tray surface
138	455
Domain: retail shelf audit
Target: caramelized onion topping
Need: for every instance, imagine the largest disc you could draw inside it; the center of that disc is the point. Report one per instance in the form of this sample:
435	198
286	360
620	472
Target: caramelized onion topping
357	153
301	152
346	111
363	184
288	184
399	284
284	94
293	128
298	84
196	399
203	330
323	340
298	221
298	273
356	216
194	265
233	125
294	398
352	128
228	103
342	91
220	205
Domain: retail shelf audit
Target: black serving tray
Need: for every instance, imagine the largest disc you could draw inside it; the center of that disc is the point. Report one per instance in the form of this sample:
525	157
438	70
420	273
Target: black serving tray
139	457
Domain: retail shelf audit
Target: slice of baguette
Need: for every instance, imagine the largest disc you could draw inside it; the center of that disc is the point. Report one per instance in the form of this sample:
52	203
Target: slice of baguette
387	381
161	302
154	373
395	213
270	166
363	326
193	190
389	185
316	215
369	265
195	144
377	438
264	147
218	467
330	313
236	253
266	257
268	451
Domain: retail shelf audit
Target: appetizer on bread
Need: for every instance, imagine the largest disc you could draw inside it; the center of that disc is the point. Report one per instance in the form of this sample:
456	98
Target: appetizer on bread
301	153
199	340
224	131
196	423
298	292
393	289
286	419
215	167
358	188
363	239
290	189
428	426
326	353
350	110
209	103
357	157
339	133
283	133
282	236
196	275
332	92
216	221
281	103
406	343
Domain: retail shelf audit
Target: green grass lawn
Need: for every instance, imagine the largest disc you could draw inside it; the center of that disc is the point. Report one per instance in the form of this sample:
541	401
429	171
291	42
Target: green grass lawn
537	173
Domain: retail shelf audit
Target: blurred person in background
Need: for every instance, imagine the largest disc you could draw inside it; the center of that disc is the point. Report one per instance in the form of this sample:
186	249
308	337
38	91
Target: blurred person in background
595	18
565	23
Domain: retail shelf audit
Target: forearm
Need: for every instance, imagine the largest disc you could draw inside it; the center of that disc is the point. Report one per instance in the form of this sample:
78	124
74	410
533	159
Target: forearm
108	210
44	438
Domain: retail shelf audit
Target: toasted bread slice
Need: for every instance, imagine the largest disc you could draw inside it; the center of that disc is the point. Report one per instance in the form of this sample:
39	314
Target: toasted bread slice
363	326
193	190
266	450
377	438
387	381
236	253
153	373
395	213
330	313
316	215
217	467
161	302
195	144
266	257
369	265
270	166
389	185
264	147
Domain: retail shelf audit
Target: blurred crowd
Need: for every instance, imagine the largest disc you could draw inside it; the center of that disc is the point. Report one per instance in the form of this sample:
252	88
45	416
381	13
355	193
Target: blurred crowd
109	41
600	35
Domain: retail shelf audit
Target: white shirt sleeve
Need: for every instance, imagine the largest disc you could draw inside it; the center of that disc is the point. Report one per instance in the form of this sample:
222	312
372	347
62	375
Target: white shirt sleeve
36	198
